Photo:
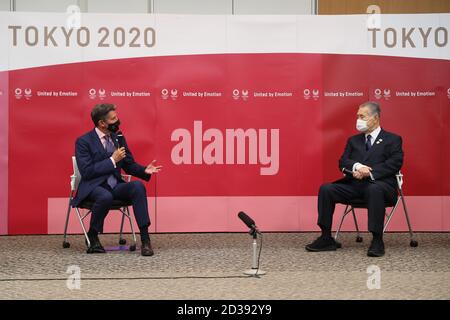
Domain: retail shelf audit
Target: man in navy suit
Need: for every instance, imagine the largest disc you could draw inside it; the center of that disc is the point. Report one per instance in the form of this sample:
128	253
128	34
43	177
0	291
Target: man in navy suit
100	156
371	160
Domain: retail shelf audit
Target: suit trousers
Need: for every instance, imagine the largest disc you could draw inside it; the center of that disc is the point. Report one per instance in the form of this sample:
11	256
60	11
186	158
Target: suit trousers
103	196
374	194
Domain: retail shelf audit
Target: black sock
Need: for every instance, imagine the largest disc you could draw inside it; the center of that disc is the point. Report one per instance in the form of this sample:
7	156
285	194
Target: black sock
377	236
92	233
144	234
326	233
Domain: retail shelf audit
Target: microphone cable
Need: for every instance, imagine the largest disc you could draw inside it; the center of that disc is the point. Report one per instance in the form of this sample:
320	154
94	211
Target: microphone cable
124	278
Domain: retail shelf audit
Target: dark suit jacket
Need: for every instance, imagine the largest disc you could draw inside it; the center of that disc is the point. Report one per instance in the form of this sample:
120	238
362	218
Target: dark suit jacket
95	164
385	157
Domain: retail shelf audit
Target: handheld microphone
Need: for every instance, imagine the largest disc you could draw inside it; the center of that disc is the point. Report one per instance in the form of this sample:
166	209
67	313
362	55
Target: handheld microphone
248	221
119	139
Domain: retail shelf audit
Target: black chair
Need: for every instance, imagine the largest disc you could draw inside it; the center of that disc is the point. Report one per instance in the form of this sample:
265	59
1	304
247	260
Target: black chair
359	203
119	205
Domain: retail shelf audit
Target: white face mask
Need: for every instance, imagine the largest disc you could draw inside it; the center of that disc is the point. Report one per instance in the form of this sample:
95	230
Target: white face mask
361	125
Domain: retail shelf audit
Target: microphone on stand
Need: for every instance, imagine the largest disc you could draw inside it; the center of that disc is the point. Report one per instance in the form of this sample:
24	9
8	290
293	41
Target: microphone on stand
248	221
255	271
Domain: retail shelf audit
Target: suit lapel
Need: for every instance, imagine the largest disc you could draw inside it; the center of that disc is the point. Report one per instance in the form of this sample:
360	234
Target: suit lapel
114	139
362	141
97	143
375	145
360	144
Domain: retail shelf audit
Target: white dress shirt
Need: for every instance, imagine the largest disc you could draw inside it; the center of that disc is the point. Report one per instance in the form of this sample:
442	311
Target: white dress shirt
103	138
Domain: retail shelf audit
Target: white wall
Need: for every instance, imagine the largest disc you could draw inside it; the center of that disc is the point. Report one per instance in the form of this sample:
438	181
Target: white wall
4	5
166	6
193	6
116	6
43	5
272	6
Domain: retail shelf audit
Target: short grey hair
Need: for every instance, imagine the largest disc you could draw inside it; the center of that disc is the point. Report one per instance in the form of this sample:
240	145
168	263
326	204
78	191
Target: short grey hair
374	107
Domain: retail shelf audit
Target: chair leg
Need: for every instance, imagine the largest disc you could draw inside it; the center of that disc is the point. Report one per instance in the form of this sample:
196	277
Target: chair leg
358	235
346	211
121	240
413	242
66	244
390	215
82	226
132	247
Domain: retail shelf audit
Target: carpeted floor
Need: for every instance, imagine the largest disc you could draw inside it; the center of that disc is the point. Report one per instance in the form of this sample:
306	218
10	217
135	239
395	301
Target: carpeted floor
181	260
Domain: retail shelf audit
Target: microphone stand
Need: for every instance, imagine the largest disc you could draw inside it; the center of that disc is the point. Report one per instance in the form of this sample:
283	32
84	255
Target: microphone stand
254	271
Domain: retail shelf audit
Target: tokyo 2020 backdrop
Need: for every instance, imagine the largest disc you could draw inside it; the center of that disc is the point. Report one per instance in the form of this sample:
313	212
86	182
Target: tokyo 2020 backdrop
244	112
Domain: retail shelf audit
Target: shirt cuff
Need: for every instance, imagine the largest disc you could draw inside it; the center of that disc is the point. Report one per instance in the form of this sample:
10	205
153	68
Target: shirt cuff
114	163
356	166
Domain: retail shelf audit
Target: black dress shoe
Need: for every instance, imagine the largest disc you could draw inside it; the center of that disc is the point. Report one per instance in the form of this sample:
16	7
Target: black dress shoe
146	249
96	249
376	249
96	246
322	244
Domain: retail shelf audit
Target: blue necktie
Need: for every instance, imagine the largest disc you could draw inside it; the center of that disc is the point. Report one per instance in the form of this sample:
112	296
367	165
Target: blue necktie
368	142
112	181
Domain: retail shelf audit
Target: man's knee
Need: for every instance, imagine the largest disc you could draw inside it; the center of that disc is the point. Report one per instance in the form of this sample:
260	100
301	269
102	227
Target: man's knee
325	188
104	198
373	187
374	191
138	188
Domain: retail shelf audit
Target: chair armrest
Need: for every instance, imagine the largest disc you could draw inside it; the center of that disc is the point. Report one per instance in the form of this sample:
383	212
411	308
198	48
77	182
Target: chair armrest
73	182
399	177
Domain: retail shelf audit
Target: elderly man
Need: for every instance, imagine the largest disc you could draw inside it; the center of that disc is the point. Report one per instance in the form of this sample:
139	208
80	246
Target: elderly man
100	157
371	160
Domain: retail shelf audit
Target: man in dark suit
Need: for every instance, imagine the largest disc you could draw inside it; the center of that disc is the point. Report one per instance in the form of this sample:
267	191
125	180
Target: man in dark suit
100	156
370	160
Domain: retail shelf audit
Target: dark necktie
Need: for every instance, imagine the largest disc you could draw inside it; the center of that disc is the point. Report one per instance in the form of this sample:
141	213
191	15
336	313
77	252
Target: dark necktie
368	142
109	146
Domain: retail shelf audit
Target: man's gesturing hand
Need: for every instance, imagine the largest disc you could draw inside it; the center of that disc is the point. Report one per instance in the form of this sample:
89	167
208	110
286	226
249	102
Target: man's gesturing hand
119	154
151	168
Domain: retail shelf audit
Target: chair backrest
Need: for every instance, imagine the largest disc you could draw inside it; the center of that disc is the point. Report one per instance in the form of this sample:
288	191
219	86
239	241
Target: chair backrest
76	176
